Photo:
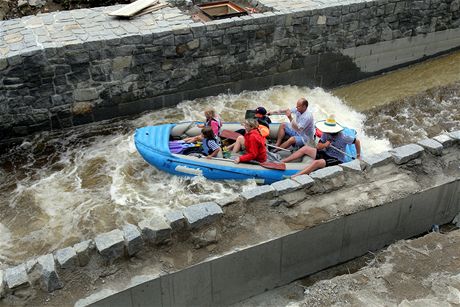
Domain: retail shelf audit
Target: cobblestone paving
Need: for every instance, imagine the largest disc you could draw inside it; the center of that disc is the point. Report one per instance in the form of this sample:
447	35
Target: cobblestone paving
19	36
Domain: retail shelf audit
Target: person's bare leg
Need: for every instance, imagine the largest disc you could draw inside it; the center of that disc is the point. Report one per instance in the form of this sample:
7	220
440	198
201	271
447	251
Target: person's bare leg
288	143
305	150
239	143
281	133
316	164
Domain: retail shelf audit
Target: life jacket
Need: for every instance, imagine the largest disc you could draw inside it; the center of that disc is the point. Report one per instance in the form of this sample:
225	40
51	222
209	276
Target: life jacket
217	120
264	126
264	131
206	148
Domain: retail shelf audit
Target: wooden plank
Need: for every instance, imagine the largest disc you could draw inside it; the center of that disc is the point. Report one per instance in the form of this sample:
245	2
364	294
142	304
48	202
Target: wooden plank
151	9
131	9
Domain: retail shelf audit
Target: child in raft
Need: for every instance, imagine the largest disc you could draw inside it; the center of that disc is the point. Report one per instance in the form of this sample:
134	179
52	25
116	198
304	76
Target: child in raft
210	144
213	121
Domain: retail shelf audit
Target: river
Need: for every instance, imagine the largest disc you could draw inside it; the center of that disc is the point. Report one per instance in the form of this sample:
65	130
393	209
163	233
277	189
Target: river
59	188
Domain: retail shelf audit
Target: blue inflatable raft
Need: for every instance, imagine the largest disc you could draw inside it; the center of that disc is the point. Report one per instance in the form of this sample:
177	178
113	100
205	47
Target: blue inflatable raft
152	143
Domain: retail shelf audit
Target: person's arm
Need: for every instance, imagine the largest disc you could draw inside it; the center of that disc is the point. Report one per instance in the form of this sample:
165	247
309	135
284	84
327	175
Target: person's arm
358	149
214	153
281	111
321	146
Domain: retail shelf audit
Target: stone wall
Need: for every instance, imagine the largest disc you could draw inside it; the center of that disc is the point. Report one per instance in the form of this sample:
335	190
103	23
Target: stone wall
71	68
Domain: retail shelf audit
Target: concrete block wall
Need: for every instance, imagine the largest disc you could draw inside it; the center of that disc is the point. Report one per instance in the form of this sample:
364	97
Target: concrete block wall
70	68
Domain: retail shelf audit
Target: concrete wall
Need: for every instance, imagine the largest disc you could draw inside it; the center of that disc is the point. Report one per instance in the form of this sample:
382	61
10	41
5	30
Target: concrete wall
70	68
251	271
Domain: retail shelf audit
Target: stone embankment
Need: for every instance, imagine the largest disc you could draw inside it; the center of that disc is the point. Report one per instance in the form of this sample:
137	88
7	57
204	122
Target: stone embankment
69	68
393	175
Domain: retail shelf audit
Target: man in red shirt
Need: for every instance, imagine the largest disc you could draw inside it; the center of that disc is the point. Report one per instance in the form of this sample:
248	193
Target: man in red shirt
254	143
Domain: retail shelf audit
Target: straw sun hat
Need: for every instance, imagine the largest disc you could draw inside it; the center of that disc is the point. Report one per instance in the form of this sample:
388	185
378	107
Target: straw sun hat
329	125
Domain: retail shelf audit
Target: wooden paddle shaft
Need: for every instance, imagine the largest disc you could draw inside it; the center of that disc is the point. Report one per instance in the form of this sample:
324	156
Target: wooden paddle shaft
342	152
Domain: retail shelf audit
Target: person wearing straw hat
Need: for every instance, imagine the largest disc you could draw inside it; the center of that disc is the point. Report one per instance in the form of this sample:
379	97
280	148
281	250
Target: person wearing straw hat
301	129
331	147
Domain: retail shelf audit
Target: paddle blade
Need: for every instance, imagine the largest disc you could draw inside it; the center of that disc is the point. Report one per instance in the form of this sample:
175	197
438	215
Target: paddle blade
228	134
273	165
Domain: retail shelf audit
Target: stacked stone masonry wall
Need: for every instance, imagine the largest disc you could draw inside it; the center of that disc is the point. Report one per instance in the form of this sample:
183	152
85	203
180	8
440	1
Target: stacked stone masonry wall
69	68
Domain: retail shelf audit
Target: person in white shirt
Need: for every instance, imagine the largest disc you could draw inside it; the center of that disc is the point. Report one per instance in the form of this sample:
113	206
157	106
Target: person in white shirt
301	129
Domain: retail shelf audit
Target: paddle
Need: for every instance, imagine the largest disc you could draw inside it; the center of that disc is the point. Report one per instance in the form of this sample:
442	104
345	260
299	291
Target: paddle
343	152
270	165
232	135
228	134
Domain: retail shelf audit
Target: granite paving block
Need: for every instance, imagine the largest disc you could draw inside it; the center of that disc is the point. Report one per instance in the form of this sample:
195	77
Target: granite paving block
66	257
133	239
30	264
353	166
304	180
155	231
110	244
406	153
260	192
49	277
285	186
326	173
377	160
16	277
455	135
176	220
444	139
202	214
2	284
230	200
83	250
432	146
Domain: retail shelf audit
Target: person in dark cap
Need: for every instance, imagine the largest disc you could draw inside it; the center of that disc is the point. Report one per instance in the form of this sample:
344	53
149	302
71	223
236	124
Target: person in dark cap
262	118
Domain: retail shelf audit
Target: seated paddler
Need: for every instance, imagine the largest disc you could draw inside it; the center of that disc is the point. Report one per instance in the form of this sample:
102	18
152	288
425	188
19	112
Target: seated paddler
254	142
330	150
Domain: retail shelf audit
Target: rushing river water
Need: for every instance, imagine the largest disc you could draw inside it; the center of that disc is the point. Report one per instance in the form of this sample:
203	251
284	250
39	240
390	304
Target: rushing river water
62	187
